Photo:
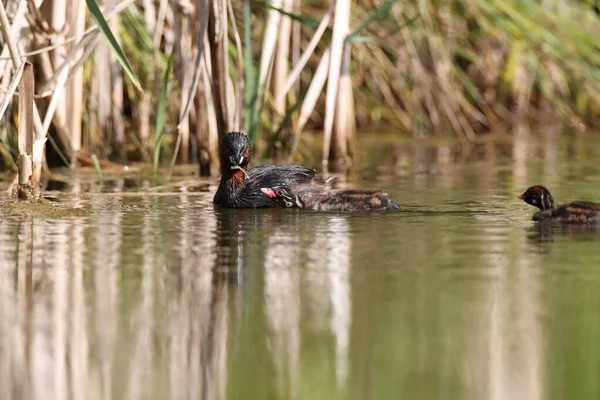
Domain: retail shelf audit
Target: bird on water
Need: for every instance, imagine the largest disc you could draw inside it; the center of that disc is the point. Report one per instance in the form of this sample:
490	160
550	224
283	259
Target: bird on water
283	185
578	212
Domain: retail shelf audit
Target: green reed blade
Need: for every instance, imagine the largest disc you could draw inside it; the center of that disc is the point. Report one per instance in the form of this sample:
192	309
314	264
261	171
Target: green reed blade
112	41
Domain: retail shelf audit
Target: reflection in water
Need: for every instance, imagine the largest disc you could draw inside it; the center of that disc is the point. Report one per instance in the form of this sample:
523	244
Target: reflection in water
107	240
515	339
197	321
338	263
282	306
147	322
325	279
162	296
542	235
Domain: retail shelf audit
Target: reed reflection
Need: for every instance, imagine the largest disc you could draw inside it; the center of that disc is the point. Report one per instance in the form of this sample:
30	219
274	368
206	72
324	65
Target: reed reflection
163	296
193	328
82	316
298	277
510	335
44	341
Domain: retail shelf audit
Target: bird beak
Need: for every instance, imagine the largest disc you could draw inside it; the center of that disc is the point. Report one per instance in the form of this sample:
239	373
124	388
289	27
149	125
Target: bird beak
268	192
521	196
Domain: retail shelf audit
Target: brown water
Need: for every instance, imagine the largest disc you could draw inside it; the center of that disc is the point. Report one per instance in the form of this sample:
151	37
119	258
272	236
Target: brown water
162	296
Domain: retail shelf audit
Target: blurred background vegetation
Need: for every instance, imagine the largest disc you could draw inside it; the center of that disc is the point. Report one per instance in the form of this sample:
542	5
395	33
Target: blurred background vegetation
192	70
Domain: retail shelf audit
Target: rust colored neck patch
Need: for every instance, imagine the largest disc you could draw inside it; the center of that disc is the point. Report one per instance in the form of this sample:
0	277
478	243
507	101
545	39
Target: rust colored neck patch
238	177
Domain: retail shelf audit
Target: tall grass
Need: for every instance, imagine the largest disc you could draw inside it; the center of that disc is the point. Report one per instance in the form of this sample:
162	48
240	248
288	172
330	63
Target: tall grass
250	94
161	117
26	179
278	68
469	67
98	169
112	41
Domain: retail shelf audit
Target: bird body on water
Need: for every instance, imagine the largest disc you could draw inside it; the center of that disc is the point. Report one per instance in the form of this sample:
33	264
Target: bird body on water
578	212
243	187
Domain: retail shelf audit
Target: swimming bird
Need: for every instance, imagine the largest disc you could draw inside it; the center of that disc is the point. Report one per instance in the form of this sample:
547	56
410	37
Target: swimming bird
578	212
241	186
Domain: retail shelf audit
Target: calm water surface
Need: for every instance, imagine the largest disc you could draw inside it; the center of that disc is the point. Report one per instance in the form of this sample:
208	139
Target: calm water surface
162	296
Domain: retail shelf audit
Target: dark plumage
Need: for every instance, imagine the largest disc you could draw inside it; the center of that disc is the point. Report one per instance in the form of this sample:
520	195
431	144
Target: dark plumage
240	187
579	212
334	200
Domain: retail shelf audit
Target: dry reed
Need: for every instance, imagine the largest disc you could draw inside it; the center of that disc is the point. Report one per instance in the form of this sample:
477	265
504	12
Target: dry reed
420	67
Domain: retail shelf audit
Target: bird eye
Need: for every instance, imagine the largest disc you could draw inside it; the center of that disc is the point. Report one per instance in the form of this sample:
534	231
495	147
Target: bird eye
534	201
